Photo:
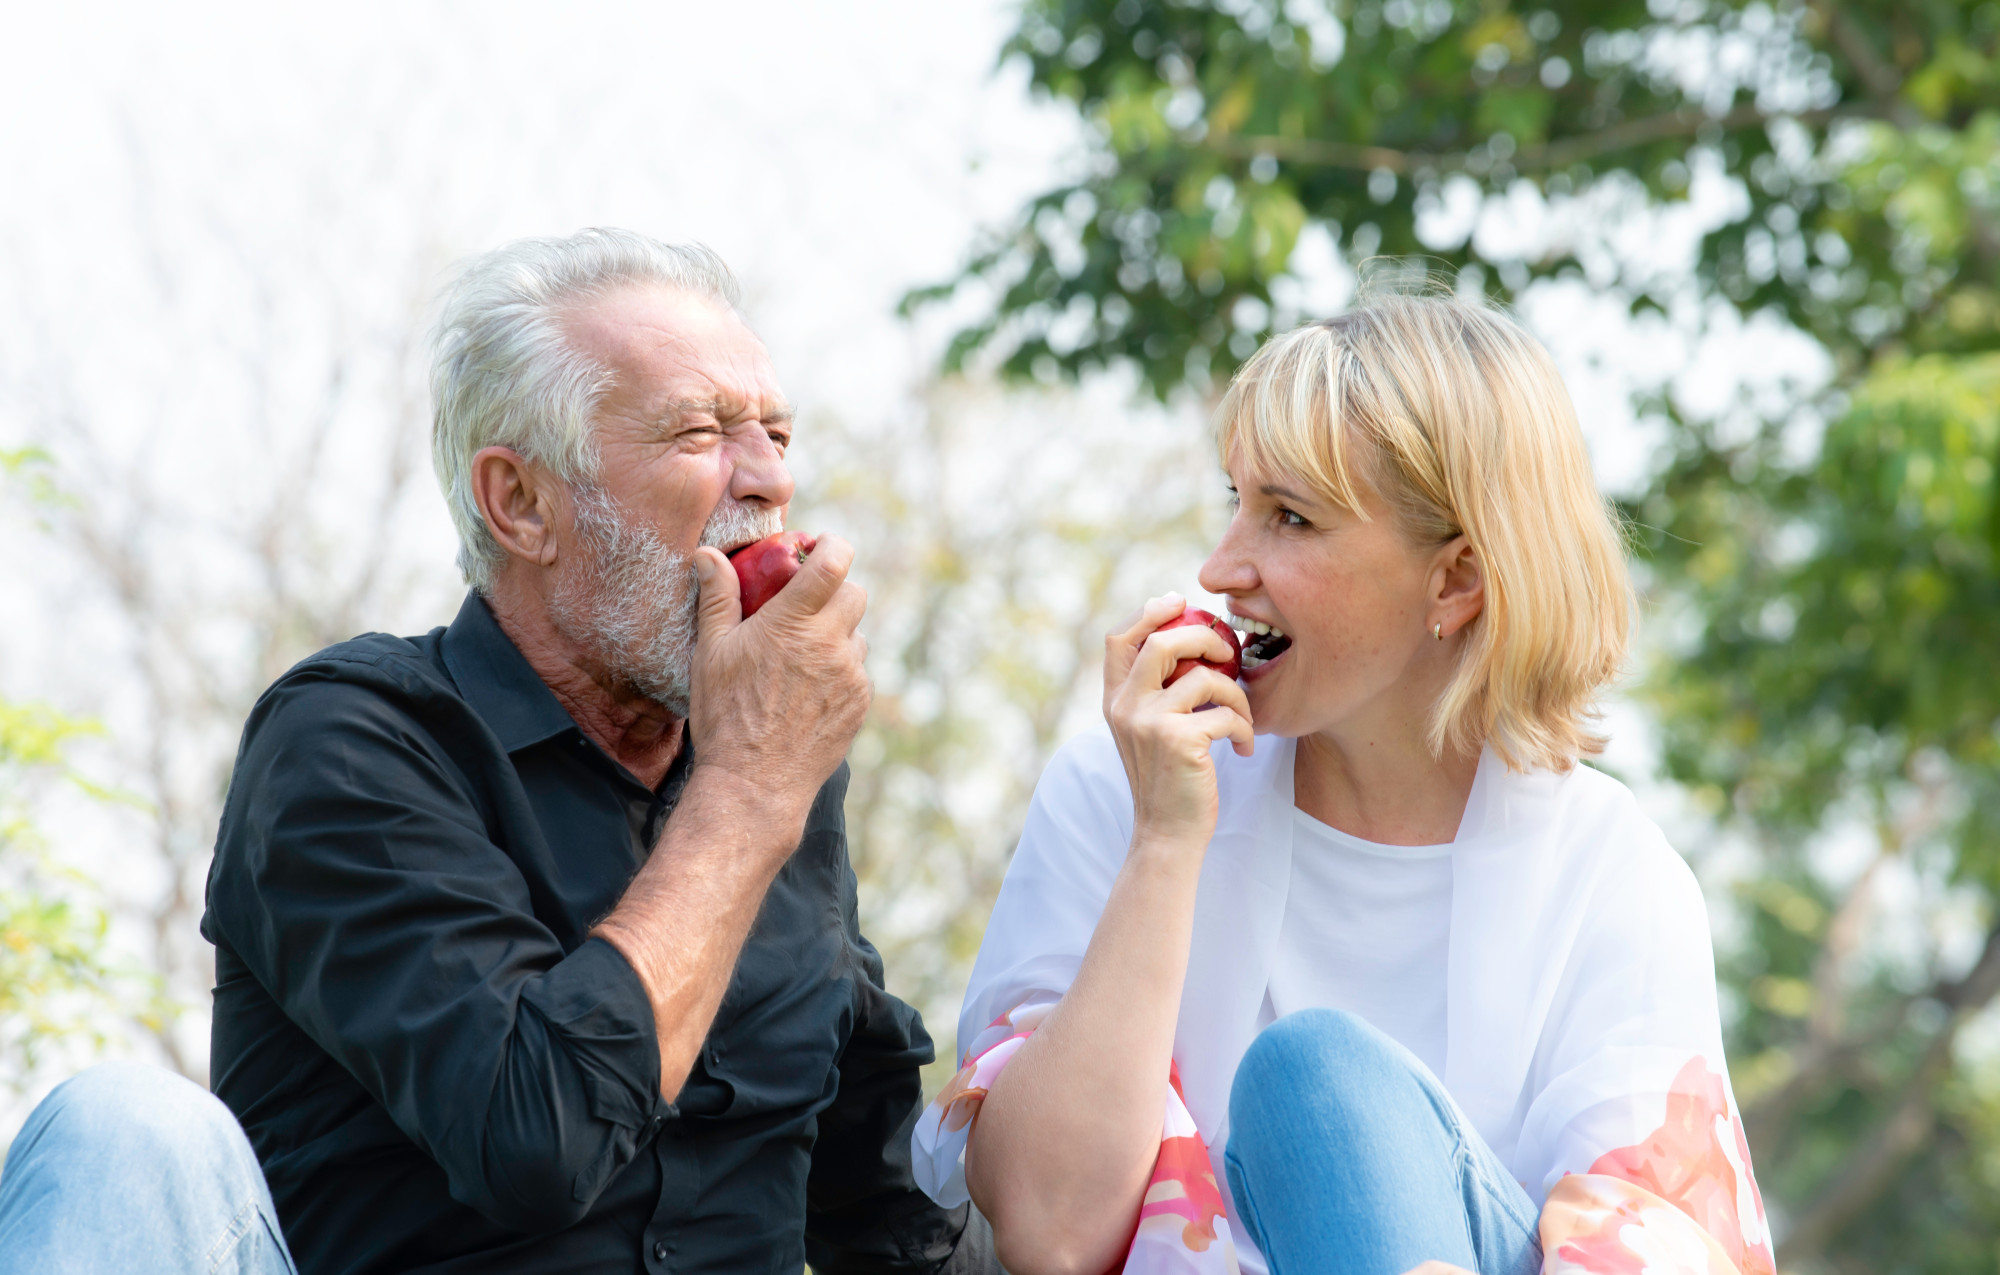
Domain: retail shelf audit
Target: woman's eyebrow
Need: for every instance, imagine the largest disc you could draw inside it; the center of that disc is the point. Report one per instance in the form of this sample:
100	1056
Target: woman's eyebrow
1284	493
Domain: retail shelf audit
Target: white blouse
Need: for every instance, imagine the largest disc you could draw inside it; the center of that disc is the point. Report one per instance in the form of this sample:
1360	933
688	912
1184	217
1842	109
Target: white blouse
1580	1029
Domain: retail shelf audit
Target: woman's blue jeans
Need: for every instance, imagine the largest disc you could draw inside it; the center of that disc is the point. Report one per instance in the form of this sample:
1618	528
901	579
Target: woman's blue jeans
1347	1157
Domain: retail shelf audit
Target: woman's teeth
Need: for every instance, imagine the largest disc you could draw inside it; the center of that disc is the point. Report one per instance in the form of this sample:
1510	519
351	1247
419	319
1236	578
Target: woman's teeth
1262	642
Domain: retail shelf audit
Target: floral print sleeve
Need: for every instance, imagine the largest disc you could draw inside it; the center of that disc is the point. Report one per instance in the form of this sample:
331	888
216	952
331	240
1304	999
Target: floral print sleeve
1682	1200
1182	1227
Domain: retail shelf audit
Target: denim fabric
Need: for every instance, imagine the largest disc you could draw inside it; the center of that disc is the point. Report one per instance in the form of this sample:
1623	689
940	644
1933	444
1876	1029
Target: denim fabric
134	1170
1347	1157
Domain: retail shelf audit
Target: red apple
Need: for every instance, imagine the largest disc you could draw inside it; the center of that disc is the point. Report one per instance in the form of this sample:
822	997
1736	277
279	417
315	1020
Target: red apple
1196	616
764	567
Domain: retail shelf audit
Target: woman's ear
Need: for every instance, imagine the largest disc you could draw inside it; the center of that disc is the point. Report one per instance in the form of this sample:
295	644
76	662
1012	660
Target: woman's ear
1458	587
516	497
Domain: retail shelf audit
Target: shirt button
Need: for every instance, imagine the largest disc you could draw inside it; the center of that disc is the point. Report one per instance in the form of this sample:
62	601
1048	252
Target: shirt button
659	1250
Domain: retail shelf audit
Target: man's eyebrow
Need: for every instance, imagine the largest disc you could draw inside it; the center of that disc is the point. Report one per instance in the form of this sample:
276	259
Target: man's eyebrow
680	408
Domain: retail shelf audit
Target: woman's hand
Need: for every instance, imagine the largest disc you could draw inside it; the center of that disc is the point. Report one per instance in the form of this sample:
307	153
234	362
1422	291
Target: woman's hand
1162	739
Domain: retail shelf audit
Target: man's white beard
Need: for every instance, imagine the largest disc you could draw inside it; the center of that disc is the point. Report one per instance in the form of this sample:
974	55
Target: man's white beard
629	600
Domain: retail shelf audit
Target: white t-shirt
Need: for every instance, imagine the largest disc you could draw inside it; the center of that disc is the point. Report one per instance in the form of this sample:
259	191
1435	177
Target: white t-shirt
1367	929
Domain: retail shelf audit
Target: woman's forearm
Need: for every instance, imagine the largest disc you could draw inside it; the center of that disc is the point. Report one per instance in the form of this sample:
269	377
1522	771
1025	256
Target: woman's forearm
1067	1139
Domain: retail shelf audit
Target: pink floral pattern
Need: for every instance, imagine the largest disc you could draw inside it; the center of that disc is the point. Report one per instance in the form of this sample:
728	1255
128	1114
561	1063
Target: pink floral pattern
1183	1222
1681	1199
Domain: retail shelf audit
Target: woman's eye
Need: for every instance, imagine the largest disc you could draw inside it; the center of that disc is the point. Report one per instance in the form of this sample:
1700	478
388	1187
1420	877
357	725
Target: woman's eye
1287	518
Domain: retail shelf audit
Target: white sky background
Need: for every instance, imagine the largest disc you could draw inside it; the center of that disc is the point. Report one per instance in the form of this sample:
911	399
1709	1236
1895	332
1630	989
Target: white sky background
187	190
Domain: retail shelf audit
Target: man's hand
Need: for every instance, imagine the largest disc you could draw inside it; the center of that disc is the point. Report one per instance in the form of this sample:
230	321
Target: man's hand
777	699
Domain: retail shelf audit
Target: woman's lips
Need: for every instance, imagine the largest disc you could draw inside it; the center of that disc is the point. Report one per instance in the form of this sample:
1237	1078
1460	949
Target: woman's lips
1264	669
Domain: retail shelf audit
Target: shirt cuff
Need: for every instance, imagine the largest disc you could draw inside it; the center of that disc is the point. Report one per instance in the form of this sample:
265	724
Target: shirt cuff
593	1000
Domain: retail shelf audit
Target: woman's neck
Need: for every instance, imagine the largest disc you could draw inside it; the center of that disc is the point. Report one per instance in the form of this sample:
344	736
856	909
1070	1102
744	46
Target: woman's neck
1383	787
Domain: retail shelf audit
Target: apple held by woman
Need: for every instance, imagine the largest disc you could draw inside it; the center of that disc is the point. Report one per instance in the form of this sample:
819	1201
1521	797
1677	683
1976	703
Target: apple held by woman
766	566
1198	618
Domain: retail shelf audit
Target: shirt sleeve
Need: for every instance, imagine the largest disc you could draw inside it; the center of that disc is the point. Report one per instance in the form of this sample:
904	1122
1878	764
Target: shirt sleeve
863	1209
1073	843
1633	1132
355	877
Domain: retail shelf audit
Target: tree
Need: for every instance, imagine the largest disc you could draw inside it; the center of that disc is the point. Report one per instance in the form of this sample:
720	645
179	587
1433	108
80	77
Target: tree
1000	536
58	985
1825	577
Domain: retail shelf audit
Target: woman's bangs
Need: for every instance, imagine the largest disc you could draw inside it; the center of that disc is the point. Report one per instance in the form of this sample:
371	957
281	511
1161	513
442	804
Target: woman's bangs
1278	417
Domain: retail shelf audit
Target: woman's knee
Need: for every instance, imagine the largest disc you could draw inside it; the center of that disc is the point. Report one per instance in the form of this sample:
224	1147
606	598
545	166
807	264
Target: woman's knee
1321	1043
1326	1061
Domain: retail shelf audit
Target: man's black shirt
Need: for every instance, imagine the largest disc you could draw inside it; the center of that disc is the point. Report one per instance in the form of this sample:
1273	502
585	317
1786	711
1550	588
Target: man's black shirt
437	1067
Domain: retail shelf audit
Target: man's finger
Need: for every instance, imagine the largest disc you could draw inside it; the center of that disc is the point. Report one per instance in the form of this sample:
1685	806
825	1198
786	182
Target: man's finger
845	609
820	577
720	605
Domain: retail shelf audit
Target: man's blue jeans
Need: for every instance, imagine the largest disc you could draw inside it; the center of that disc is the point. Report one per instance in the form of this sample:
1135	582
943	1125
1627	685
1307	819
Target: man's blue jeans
1347	1157
131	1169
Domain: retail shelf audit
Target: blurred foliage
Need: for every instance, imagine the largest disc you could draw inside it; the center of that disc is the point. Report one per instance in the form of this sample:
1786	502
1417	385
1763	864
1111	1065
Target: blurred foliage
55	975
52	964
1001	537
1826	578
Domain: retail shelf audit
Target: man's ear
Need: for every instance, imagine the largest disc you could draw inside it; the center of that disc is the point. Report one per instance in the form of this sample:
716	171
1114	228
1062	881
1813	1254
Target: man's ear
1458	586
518	500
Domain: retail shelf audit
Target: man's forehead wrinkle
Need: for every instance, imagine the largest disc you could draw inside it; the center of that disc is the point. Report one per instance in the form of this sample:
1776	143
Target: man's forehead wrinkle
725	405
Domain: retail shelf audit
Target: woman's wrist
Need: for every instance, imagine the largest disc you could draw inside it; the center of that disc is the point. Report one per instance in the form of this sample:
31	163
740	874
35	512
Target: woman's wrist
1173	852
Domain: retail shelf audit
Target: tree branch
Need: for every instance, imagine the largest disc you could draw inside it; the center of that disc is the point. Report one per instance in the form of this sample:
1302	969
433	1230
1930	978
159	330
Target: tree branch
1545	157
1882	80
1872	1166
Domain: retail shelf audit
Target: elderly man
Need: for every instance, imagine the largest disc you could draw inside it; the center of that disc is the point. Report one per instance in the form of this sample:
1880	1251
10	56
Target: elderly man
536	939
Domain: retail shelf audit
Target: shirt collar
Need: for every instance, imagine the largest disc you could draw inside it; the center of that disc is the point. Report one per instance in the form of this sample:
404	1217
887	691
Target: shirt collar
497	680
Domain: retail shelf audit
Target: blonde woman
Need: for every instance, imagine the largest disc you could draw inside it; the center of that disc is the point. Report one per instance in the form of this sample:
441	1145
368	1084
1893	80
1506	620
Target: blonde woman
1352	967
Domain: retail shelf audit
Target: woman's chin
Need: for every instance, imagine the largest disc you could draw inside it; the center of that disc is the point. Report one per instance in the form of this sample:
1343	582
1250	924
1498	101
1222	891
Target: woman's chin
1266	708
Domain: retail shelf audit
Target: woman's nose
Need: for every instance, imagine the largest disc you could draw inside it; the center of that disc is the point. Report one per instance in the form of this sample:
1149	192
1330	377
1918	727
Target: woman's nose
1228	569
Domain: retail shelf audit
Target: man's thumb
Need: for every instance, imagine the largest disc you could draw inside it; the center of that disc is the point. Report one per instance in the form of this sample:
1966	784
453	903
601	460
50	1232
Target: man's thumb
721	606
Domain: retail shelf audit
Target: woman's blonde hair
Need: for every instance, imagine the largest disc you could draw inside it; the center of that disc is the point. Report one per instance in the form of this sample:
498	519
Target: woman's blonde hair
1457	420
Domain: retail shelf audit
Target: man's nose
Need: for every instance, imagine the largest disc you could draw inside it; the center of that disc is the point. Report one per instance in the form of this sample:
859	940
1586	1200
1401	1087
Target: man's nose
761	474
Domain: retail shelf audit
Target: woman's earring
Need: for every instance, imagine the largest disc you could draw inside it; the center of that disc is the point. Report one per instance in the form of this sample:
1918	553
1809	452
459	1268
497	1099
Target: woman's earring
1438	630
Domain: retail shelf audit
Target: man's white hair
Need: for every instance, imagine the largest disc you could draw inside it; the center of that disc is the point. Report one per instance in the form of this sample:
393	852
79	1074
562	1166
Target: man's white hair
503	375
